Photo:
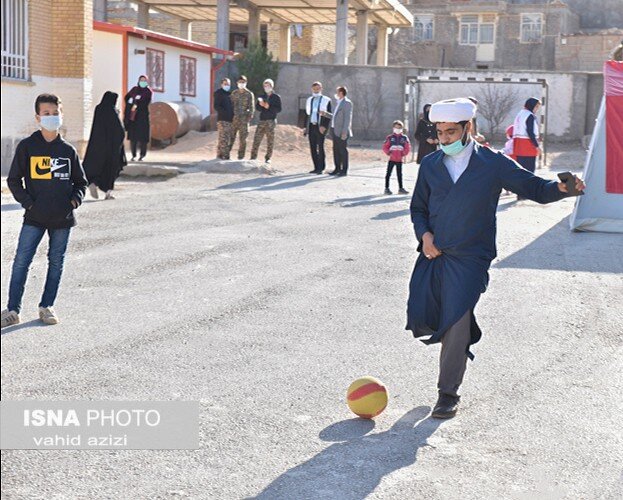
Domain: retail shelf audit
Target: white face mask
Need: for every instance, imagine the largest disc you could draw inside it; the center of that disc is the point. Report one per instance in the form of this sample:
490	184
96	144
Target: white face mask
316	94
226	88
268	89
397	131
338	97
51	122
242	85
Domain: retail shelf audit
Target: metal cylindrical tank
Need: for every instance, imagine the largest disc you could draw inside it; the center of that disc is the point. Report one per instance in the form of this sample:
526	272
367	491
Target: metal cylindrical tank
172	119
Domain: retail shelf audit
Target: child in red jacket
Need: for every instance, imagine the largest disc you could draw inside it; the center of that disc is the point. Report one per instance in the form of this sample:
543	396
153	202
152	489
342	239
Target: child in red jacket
397	147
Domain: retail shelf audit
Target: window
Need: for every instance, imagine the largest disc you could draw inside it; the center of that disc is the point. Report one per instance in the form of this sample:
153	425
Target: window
486	32
15	39
531	28
477	30
423	28
155	69
469	30
188	76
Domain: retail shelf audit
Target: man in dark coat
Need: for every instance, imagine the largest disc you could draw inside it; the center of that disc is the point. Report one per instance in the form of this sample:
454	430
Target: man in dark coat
453	211
225	115
105	156
136	117
318	109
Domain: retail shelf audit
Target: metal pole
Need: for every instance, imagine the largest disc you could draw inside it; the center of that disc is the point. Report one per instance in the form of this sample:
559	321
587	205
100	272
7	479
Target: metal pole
546	88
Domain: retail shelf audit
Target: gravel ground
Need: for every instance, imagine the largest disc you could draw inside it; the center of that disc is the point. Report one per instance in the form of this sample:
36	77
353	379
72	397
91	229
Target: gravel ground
263	297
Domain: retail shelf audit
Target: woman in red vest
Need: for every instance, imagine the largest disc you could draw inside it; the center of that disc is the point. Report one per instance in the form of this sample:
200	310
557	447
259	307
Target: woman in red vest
526	135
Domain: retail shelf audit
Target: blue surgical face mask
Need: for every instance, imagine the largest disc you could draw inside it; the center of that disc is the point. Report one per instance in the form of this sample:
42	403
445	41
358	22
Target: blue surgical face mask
454	148
142	84
51	122
226	88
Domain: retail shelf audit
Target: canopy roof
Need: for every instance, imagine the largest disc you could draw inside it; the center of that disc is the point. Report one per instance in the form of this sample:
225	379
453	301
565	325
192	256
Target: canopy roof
388	12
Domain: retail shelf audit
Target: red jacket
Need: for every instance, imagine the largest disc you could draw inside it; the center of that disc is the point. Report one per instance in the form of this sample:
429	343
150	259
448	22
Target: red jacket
397	141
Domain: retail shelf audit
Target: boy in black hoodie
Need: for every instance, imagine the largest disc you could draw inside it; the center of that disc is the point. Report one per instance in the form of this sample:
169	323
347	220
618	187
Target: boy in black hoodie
47	179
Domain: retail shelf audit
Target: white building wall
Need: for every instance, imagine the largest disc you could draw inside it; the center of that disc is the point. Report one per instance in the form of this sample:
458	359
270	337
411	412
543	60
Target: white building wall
137	66
107	65
18	111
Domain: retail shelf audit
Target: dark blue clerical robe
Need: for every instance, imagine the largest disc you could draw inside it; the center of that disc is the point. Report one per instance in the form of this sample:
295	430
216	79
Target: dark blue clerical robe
462	218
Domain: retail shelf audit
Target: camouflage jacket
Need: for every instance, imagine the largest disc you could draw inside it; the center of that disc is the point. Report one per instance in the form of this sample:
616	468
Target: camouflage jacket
243	102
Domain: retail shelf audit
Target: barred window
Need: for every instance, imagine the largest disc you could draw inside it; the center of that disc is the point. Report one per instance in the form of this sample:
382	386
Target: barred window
155	69
188	76
423	28
531	28
15	39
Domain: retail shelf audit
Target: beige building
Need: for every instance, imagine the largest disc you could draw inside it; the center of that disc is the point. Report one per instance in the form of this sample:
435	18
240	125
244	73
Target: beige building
509	34
34	61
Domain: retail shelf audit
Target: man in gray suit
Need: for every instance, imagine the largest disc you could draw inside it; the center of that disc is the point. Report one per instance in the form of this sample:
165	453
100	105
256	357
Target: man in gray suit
341	130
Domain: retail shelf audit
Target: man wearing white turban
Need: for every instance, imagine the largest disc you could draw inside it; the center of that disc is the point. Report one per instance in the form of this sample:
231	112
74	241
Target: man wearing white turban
453	213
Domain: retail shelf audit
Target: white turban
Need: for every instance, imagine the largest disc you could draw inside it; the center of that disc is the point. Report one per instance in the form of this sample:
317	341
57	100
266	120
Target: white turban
452	111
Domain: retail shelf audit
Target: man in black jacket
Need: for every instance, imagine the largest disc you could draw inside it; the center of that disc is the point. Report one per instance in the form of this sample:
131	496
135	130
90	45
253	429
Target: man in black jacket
269	106
47	179
225	115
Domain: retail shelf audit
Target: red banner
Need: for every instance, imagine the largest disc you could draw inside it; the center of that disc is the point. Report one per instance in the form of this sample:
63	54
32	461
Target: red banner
613	89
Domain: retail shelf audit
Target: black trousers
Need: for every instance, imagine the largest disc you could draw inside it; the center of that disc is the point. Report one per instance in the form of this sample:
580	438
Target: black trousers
316	144
453	357
340	154
527	162
143	146
390	168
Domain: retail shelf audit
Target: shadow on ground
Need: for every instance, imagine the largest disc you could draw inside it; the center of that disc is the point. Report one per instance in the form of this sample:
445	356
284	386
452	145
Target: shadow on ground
353	467
561	249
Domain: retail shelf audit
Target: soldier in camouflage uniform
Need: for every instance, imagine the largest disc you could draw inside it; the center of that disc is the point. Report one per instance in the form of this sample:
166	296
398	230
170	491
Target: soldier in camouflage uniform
243	102
269	105
225	115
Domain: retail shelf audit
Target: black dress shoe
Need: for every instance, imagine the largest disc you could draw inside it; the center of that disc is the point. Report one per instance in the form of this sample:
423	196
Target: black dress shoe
334	172
314	171
318	172
341	173
446	406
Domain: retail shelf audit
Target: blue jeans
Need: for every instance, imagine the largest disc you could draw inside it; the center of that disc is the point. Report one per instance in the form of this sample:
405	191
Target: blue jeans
29	239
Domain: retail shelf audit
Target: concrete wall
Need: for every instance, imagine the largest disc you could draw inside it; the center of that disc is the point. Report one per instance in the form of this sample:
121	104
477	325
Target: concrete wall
594	94
378	95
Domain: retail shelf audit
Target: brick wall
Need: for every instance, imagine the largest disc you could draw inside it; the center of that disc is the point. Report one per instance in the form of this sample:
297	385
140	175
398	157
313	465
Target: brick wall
585	52
72	52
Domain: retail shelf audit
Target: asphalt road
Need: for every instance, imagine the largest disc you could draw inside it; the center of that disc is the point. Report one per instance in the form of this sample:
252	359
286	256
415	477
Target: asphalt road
264	297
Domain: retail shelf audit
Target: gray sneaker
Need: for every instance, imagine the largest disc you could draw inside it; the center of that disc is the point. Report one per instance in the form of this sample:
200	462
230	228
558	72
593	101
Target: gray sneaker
48	316
93	191
9	318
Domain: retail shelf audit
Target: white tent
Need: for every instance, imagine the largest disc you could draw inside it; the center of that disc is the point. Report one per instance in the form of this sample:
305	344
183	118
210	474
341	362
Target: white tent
599	209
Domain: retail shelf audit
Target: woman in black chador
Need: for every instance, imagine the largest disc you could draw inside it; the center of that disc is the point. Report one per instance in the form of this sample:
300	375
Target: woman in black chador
136	117
105	156
426	135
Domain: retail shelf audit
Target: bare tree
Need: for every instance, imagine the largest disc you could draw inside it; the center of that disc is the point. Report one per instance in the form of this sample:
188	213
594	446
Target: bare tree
495	104
368	107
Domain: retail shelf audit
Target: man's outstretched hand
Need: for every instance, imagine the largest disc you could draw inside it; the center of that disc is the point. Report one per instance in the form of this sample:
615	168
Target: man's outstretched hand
579	185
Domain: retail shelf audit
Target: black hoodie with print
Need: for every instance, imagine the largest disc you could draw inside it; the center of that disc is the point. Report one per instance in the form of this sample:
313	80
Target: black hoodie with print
44	178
